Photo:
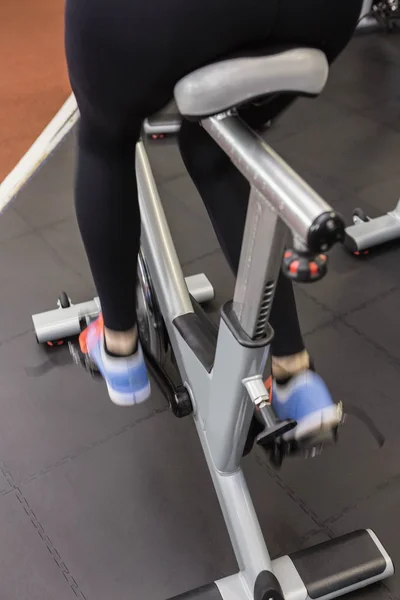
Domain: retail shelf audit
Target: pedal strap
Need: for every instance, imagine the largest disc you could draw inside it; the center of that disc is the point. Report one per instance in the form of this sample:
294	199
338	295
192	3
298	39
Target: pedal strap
362	416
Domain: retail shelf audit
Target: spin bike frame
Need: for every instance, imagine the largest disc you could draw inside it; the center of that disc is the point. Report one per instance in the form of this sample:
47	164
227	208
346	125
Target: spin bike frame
223	371
375	20
366	232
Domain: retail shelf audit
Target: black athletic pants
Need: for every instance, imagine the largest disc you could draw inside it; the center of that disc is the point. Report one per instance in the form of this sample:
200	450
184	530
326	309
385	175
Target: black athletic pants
124	58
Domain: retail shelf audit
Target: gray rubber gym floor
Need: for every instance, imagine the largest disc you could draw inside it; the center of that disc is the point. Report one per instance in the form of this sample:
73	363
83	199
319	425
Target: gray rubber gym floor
102	503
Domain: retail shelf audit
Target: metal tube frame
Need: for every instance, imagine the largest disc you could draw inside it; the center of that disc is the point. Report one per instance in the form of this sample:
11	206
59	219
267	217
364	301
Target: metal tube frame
366	8
279	200
367	22
369	19
364	235
222	458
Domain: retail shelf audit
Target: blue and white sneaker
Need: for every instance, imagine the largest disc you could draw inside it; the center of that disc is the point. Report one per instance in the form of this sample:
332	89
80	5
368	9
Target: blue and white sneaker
126	377
306	399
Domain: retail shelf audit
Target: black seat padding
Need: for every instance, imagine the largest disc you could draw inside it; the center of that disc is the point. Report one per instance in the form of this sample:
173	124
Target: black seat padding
233	82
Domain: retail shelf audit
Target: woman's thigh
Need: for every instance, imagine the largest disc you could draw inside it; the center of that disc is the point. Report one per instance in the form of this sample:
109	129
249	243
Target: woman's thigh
324	24
125	56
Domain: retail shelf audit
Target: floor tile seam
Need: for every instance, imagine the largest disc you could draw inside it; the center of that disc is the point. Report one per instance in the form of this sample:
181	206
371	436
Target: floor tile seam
44	537
367	303
162	180
273	473
16	237
201	257
59	255
341	315
392	359
36	228
379	488
323	525
16	336
87	448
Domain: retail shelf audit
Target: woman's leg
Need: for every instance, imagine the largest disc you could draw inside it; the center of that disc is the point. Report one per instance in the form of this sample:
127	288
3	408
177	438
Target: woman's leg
111	106
124	59
105	170
113	97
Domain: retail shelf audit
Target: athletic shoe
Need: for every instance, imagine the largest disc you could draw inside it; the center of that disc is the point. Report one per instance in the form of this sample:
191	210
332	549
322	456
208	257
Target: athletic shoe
126	376
306	399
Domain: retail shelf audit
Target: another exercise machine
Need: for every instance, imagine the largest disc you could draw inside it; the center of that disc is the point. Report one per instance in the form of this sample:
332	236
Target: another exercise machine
366	232
221	368
379	14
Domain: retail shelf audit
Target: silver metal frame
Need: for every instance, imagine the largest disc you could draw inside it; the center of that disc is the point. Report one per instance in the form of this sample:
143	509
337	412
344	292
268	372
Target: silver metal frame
221	425
366	7
364	235
280	201
62	323
368	22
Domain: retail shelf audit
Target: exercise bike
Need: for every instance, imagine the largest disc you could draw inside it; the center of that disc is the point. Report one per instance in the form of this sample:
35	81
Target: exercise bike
367	232
221	368
379	14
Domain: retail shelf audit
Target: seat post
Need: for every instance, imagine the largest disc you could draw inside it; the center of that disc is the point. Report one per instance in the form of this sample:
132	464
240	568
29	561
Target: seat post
263	245
279	201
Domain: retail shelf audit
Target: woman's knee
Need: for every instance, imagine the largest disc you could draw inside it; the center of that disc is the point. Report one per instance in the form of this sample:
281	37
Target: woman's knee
108	136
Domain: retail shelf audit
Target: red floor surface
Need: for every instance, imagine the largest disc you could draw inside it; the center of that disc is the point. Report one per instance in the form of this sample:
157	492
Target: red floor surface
33	81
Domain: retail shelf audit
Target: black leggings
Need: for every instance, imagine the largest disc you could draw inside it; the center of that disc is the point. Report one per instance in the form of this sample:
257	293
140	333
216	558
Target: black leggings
124	58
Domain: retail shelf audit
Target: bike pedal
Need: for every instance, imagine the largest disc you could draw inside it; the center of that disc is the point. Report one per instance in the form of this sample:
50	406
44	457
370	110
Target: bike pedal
282	450
274	431
306	448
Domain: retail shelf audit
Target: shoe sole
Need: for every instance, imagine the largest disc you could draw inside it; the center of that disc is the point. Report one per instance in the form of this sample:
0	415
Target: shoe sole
129	399
317	426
